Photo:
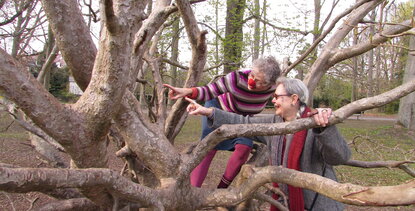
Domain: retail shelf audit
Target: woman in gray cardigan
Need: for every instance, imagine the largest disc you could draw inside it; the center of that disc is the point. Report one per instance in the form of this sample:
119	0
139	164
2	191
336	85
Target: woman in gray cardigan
313	151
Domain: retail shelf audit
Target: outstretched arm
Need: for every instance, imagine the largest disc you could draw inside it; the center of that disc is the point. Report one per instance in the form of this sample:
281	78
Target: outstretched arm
176	92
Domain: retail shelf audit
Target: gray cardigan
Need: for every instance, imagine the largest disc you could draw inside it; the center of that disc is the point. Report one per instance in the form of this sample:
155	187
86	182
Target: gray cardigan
323	148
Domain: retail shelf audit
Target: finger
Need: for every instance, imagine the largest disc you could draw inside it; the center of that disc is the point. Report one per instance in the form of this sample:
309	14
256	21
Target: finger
171	95
312	113
195	111
190	100
323	117
169	86
327	117
190	108
319	118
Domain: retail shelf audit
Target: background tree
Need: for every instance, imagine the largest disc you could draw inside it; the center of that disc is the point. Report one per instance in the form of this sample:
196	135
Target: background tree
108	110
407	104
233	43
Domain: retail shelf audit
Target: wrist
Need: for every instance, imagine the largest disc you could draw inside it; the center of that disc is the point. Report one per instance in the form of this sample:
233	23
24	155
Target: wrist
193	92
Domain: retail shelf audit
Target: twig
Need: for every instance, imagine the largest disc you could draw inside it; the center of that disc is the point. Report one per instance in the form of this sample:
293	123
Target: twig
277	191
123	168
123	152
407	170
7	127
32	202
263	197
323	35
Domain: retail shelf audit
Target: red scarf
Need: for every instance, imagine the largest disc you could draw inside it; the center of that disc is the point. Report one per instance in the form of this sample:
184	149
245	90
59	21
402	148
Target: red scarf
295	195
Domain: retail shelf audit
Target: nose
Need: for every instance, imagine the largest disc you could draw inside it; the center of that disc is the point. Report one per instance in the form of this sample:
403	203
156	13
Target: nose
273	100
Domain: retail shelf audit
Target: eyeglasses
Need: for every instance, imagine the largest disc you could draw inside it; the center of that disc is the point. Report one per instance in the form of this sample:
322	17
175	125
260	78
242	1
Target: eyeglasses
277	96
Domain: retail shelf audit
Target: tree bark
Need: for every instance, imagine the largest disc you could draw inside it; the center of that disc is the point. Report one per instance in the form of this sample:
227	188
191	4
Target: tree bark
257	31
233	43
406	115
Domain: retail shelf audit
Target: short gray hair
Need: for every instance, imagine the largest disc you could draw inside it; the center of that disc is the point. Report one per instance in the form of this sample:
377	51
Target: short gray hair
294	86
269	66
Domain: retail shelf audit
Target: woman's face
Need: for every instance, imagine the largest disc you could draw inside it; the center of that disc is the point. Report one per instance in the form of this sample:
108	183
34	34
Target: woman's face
284	103
256	81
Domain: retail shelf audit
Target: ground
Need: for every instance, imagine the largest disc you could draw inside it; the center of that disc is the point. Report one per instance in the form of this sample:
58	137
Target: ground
15	149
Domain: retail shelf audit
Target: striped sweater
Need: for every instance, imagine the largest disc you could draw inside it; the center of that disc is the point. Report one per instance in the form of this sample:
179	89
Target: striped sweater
233	94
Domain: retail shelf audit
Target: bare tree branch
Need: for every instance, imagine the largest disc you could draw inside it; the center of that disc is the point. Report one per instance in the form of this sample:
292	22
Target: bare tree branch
279	27
323	35
377	164
407	170
377	39
159	155
40	179
78	51
248	130
110	19
175	64
197	63
403	194
18	13
47	65
270	200
69	204
320	66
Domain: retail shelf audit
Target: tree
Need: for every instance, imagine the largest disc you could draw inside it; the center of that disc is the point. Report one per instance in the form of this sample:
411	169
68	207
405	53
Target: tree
108	110
407	104
233	42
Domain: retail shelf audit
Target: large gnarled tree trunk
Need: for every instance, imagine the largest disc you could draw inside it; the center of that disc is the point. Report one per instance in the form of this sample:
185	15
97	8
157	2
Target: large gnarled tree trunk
108	75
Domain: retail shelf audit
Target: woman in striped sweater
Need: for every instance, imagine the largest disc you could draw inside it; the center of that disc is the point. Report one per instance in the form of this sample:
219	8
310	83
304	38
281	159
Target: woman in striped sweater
244	92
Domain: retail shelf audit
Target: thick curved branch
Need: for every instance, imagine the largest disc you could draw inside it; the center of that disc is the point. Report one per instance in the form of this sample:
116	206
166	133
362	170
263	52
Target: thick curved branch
247	130
21	180
74	40
40	106
151	25
403	194
145	139
110	19
100	101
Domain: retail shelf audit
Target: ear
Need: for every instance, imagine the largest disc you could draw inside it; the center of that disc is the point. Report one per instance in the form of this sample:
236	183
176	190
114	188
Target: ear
295	99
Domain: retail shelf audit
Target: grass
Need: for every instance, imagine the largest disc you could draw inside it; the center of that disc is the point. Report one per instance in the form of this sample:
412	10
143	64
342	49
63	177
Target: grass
8	129
375	141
